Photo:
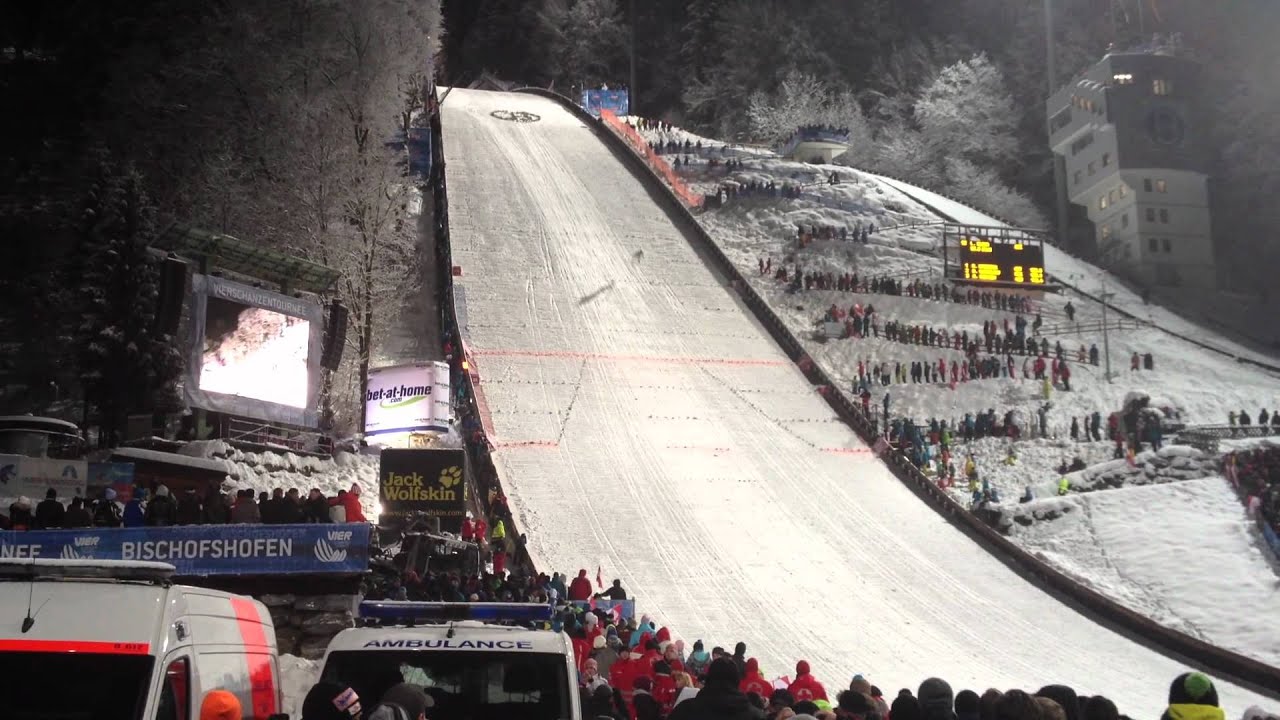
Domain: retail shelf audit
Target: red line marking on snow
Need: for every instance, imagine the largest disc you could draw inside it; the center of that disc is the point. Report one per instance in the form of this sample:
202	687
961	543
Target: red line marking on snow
527	444
262	686
847	451
570	355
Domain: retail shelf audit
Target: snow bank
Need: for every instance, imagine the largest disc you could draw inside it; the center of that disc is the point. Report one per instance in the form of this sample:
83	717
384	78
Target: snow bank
1184	554
297	675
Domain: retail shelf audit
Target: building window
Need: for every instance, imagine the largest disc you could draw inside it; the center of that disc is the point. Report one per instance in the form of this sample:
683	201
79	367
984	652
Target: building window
1106	159
1151	214
1124	190
1153	244
1124	220
1105	231
1092	169
1161	87
1167	245
1146	184
1077	177
1102	202
1061	120
1081	144
1164	216
1122	79
1162	186
1111	197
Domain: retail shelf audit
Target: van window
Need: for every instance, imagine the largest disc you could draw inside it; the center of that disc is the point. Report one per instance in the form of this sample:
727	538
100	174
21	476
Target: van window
475	685
175	694
106	687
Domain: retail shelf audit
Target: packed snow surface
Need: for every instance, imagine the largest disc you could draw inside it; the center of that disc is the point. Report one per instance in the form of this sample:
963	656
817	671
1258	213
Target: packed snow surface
1184	554
645	423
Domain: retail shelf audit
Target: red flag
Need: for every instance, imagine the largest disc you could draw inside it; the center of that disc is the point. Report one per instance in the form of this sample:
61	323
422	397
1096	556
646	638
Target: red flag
600	577
617	613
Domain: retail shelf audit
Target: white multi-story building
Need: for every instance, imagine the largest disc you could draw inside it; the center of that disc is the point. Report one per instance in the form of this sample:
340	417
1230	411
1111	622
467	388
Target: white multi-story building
1134	146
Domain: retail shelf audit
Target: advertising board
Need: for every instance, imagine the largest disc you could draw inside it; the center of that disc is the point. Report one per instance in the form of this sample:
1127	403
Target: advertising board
253	353
616	101
22	476
408	398
426	481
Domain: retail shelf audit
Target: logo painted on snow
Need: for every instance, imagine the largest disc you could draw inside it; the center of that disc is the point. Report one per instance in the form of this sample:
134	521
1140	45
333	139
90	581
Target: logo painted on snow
327	553
450	476
515	116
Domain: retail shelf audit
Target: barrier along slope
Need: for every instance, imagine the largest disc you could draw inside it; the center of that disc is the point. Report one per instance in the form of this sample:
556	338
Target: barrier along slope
1244	670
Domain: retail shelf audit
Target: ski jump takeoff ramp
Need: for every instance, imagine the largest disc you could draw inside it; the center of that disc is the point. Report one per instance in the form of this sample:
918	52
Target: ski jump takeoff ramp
645	423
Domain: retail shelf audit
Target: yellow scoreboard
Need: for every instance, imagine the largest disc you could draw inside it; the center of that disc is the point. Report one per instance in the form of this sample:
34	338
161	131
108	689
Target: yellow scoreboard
1014	260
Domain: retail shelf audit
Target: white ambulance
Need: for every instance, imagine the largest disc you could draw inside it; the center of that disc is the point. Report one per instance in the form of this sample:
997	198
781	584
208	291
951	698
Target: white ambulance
472	666
117	640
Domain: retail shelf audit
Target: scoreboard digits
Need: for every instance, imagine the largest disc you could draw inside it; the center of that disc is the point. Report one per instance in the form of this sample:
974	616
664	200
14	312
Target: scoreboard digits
1002	260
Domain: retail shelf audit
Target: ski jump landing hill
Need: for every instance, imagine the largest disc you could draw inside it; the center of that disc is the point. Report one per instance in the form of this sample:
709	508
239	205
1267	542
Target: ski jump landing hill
644	421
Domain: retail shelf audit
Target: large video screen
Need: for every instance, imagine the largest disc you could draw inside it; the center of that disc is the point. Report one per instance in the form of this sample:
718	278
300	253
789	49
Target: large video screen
254	353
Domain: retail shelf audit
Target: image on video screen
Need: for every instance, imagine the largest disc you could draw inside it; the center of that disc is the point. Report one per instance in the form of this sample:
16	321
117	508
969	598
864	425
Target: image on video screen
255	353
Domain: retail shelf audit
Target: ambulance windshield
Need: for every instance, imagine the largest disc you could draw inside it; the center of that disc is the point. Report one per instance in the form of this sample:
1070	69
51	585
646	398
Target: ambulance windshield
463	685
74	686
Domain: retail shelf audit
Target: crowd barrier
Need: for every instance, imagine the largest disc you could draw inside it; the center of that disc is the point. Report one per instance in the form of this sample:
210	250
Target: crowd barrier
1225	663
655	162
207	550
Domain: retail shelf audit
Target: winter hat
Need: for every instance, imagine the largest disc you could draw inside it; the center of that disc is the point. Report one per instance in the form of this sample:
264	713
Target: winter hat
110	494
51	494
412	698
598	642
697	646
329	700
802	668
905	707
1100	708
935	699
1050	709
1065	697
805	707
968	705
852	701
860	684
355	489
23	502
220	705
162	491
1192	689
722	674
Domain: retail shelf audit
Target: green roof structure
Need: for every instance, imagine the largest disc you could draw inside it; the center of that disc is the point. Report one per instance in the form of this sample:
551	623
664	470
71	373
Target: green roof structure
216	250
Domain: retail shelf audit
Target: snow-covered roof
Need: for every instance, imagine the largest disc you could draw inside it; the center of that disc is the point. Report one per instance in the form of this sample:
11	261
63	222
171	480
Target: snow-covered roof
198	463
37	420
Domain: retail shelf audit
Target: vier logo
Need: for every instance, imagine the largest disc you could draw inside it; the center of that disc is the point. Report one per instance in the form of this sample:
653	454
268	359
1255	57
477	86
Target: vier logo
339	536
327	553
87	541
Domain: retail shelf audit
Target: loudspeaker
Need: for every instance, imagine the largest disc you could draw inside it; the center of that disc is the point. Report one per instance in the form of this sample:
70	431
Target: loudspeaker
173	290
335	337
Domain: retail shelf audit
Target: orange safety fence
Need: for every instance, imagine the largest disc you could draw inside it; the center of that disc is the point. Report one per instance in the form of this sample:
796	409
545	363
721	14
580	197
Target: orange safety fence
626	132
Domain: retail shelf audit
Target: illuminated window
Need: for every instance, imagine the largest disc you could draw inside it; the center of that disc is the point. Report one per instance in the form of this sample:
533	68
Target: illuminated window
1122	79
1111	196
1102	202
1106	231
1161	87
1106	159
1146	184
1151	214
1164	216
1124	220
1153	244
1162	186
1124	189
1168	247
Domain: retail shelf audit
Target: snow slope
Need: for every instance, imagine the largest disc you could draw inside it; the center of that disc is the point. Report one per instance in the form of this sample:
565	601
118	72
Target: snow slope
644	422
1184	554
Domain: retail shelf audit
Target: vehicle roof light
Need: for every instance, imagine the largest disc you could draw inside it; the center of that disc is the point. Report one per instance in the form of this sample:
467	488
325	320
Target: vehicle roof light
59	569
400	611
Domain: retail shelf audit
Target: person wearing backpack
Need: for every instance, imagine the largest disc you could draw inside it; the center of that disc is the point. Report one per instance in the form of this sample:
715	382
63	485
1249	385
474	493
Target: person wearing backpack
106	512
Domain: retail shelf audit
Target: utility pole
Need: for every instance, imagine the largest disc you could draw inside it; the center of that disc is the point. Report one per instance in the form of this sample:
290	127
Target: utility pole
631	88
1106	342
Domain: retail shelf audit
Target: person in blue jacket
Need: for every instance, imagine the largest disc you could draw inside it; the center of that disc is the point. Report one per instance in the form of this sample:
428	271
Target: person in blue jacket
135	511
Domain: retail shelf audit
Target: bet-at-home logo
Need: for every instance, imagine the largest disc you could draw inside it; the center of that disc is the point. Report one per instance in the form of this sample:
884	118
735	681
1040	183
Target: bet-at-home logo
398	396
412	487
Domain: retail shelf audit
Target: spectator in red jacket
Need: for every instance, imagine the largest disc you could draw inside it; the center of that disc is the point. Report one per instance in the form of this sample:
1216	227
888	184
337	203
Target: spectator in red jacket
468	529
580	588
754	682
806	686
351	504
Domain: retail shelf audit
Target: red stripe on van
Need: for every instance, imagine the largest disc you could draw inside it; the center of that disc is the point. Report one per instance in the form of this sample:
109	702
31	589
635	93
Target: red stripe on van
261	681
75	646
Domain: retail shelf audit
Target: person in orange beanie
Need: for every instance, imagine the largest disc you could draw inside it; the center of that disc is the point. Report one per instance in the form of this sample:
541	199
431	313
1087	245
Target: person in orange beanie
220	705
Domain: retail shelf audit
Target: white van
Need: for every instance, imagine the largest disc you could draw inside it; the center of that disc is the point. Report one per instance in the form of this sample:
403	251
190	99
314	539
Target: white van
473	667
117	640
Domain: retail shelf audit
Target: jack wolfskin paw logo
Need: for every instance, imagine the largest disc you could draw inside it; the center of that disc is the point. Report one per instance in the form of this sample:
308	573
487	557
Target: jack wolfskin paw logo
450	476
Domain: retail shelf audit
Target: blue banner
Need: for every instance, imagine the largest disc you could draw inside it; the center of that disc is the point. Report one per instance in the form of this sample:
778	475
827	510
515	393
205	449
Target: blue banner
628	606
616	101
203	550
108	474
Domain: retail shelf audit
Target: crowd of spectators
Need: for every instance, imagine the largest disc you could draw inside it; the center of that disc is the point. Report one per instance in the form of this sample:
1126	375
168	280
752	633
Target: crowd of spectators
145	508
1256	474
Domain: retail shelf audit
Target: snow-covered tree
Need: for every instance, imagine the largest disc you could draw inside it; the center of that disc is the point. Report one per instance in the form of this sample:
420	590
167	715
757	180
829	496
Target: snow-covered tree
126	366
968	111
802	99
982	187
